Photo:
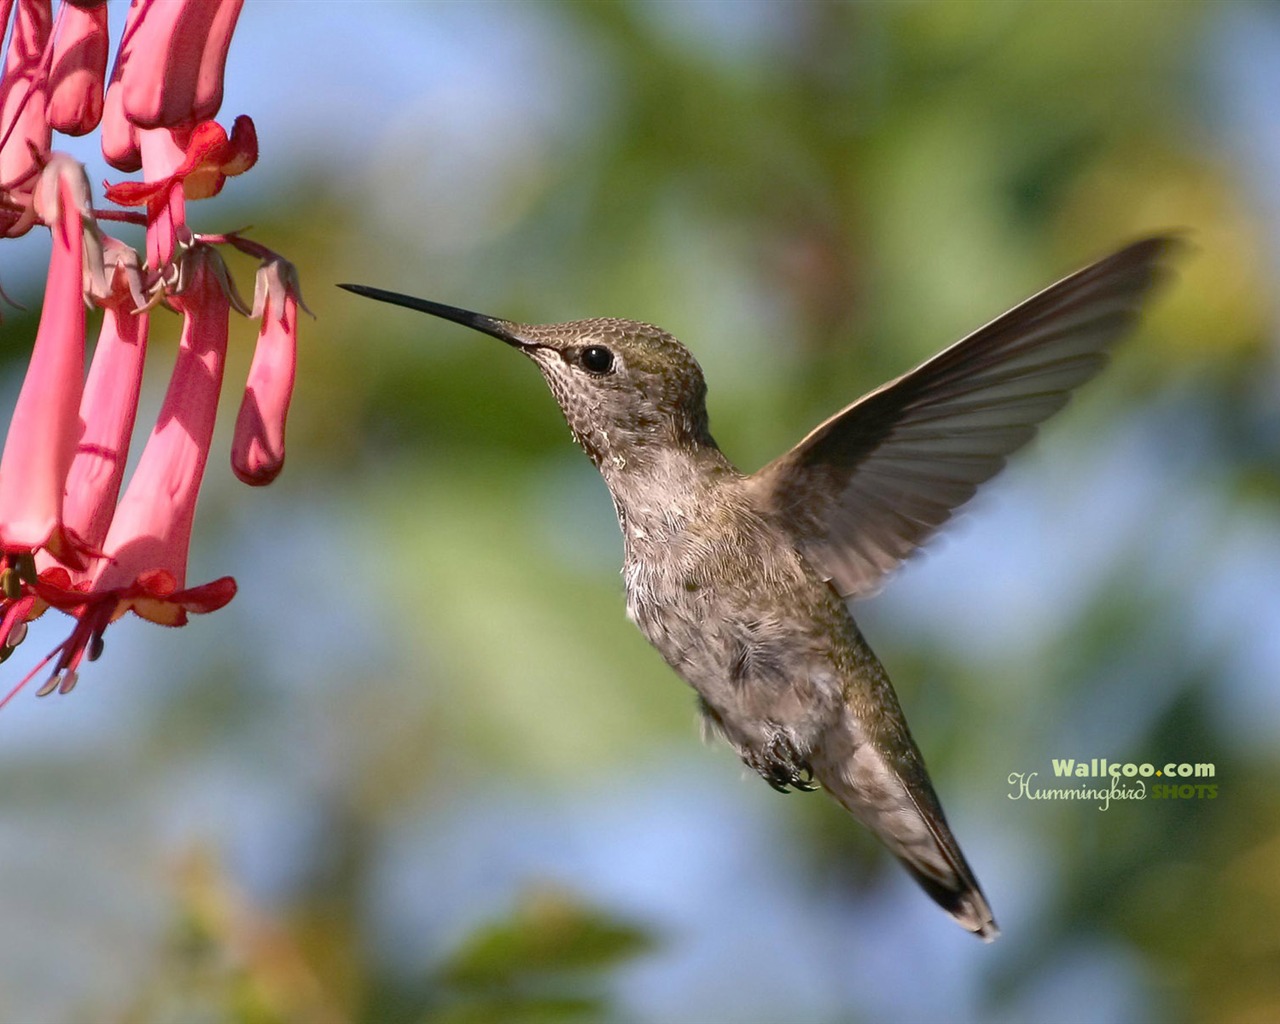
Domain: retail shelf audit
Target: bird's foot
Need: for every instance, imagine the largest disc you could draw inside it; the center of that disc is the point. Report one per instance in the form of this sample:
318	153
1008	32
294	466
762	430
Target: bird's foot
781	765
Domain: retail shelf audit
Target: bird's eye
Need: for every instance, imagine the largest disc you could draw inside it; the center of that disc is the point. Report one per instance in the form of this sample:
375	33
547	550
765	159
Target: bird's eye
596	359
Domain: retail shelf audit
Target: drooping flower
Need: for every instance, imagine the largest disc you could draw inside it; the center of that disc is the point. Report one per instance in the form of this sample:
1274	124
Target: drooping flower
152	525
257	450
171	68
143	564
109	406
24	122
68	539
45	427
168	73
78	68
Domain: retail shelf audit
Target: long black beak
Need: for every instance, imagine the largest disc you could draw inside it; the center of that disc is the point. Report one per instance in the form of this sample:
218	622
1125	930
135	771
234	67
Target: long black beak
501	329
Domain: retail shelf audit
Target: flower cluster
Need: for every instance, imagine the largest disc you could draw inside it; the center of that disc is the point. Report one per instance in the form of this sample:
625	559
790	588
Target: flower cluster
68	538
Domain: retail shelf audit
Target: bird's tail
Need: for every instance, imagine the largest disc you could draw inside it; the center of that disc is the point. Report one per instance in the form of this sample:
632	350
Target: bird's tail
881	780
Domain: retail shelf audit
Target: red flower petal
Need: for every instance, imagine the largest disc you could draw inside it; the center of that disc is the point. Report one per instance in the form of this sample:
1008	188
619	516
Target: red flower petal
135	193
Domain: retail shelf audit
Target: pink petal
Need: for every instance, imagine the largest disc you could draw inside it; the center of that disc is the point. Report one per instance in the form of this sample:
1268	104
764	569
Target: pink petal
212	157
155	599
15	613
166	161
134	193
79	69
199	171
204	145
241	151
58	589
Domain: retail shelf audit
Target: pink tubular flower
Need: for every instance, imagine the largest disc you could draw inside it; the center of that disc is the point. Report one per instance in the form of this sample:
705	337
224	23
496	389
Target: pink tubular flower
110	403
78	69
69	539
257	450
24	126
180	79
143	567
152	525
46	422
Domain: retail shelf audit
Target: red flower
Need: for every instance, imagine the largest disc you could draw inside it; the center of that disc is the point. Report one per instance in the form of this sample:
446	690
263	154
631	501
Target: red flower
110	403
171	63
78	69
68	539
257	451
151	528
45	428
24	126
143	565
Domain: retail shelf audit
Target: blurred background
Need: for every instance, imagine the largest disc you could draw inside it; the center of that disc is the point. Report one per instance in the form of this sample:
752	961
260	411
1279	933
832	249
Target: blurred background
422	768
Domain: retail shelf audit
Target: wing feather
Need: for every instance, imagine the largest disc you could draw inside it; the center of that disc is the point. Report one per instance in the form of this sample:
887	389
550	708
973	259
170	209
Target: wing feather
870	485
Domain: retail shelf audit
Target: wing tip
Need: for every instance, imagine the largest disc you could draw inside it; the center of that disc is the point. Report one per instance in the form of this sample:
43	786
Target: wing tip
1155	253
960	897
976	917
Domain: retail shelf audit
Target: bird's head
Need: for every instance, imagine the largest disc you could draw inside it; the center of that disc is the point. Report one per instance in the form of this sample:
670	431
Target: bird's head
624	387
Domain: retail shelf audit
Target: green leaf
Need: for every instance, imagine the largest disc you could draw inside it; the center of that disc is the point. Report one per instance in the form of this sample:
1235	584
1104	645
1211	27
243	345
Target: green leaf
550	932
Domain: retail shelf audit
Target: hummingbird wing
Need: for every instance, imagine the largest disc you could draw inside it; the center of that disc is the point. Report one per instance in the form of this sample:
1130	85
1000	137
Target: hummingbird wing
885	786
869	486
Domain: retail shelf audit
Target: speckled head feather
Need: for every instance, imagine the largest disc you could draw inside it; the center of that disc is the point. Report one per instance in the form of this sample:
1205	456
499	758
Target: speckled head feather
651	392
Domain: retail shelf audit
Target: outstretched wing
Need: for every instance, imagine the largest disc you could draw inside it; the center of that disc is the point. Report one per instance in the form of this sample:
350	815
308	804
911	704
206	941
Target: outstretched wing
874	482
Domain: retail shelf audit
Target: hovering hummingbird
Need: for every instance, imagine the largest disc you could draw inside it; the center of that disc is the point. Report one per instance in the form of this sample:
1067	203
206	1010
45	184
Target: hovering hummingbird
740	581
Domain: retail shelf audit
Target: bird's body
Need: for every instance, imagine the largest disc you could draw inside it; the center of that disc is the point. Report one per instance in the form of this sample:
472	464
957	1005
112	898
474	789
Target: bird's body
717	584
740	581
783	672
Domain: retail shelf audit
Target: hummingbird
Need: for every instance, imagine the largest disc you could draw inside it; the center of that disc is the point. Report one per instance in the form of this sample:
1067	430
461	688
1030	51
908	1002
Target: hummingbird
741	580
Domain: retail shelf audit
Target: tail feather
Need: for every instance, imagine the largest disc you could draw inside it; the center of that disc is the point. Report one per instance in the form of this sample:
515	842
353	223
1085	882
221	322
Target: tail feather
886	788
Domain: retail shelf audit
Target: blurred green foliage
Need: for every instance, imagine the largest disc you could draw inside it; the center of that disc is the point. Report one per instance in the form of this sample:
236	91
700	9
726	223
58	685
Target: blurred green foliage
346	797
518	969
